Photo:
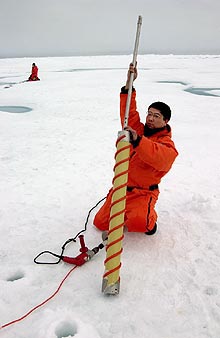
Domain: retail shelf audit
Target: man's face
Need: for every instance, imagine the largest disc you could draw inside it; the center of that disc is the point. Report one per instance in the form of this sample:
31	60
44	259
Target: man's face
155	119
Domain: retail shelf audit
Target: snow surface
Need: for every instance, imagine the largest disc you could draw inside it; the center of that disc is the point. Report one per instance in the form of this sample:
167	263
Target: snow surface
56	162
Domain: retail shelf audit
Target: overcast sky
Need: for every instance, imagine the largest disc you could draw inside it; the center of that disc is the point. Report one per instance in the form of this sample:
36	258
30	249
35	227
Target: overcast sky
90	27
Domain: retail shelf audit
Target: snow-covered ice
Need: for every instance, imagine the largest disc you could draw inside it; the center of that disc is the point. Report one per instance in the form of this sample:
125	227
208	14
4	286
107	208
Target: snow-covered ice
56	162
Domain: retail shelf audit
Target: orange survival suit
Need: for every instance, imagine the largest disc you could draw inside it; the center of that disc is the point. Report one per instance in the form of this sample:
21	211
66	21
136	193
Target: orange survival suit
34	73
149	161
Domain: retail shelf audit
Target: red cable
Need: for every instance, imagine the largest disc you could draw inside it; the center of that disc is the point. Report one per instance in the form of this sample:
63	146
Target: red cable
119	163
112	271
114	255
121	149
114	242
120	138
39	305
115	228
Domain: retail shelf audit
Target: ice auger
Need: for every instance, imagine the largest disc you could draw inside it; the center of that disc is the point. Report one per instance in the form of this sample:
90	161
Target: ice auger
111	279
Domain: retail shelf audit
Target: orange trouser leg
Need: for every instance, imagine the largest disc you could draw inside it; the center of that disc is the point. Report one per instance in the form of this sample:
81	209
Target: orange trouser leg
101	220
140	215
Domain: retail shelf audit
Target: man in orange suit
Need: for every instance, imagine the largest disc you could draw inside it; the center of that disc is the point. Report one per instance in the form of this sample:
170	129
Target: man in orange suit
152	155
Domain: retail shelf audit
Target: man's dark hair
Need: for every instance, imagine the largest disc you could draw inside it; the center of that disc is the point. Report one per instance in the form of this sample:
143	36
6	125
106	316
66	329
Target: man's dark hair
163	108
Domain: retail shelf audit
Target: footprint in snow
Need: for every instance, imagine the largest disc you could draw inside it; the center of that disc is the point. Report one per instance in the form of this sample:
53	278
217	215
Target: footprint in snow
66	329
211	291
63	323
15	276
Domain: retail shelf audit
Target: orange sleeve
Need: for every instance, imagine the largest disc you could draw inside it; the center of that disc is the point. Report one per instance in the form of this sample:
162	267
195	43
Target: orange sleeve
159	155
134	118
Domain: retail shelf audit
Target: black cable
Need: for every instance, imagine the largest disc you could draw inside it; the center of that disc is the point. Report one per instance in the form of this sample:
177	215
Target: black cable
52	254
85	226
68	241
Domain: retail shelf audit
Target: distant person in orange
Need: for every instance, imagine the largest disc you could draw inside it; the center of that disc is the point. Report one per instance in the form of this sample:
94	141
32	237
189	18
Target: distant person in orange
34	73
151	157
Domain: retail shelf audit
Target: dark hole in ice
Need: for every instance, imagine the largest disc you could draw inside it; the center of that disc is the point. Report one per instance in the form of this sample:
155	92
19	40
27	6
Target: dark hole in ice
195	90
15	109
202	91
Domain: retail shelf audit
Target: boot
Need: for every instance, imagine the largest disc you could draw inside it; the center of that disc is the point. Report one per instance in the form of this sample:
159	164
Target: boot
152	232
